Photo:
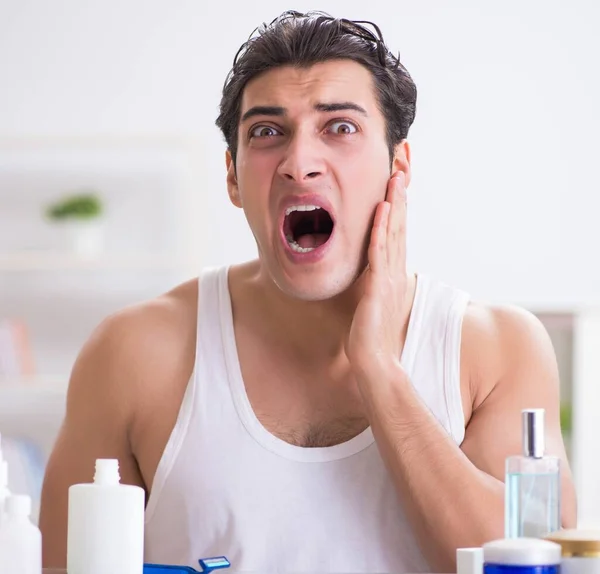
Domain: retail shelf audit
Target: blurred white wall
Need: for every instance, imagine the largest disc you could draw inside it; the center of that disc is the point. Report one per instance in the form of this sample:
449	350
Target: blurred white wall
504	200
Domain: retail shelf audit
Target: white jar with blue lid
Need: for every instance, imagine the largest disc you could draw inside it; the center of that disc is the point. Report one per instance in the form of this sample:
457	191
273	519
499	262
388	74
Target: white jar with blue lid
521	556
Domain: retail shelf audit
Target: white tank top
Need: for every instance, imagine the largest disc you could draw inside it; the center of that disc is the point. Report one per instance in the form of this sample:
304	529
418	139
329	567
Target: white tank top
227	486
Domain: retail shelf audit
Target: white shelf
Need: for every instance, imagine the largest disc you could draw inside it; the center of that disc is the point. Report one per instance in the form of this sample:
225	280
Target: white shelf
33	382
33	409
22	402
30	397
54	261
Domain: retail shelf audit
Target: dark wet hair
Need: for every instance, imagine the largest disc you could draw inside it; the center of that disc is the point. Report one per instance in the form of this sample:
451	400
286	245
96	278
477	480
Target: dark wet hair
302	40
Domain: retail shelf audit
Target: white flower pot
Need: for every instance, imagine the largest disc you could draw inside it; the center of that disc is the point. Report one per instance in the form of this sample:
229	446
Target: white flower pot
84	238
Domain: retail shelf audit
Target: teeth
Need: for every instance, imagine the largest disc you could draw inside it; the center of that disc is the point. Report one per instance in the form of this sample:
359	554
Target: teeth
294	245
301	208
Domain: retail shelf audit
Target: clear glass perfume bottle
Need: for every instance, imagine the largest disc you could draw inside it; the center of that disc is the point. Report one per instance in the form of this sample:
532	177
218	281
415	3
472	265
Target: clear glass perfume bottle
532	496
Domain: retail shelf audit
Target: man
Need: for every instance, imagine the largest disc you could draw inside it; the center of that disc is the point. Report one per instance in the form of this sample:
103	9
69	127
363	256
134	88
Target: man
319	408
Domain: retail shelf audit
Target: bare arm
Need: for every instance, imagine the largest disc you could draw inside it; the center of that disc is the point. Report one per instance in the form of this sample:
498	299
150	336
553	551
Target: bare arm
530	379
98	416
136	363
455	496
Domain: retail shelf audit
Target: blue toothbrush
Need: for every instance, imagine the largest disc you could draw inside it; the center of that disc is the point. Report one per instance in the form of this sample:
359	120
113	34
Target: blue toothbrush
207	565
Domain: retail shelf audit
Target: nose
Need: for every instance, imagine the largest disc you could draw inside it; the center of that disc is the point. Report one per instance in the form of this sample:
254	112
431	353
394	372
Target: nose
303	160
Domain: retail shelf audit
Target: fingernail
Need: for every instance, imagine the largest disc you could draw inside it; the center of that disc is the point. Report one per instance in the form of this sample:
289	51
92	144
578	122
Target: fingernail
399	175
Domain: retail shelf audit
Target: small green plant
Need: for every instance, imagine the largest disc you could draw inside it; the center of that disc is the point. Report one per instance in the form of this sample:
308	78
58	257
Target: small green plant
566	418
81	206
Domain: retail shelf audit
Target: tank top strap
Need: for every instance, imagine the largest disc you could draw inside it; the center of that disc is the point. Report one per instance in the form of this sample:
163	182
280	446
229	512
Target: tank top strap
433	358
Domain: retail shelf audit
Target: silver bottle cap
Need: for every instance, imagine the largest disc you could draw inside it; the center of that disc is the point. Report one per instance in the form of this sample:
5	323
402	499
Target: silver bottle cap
533	433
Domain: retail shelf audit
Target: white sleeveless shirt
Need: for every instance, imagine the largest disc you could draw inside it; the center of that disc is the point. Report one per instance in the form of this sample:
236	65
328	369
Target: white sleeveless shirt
227	486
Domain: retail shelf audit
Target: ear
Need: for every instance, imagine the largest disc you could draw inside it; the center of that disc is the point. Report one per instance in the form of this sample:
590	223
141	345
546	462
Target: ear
232	185
401	161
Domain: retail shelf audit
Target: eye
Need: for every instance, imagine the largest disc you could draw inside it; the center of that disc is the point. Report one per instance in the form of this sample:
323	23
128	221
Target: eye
264	132
343	127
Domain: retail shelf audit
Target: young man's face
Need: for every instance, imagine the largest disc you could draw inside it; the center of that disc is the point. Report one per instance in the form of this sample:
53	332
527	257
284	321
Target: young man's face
312	165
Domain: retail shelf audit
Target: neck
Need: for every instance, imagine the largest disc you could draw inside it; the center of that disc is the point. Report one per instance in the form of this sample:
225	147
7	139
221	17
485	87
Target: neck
315	329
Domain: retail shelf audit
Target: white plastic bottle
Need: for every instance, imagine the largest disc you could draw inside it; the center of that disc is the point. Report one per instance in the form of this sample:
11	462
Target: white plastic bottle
20	539
469	561
4	492
105	524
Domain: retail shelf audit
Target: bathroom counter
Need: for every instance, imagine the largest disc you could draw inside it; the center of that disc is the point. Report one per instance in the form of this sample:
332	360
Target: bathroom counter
62	571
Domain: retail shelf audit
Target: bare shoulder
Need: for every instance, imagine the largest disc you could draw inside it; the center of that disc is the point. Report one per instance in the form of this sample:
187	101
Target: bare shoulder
149	338
497	343
135	364
151	334
140	324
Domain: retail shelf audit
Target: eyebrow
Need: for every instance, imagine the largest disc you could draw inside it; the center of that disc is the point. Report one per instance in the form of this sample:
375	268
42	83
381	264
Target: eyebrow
279	111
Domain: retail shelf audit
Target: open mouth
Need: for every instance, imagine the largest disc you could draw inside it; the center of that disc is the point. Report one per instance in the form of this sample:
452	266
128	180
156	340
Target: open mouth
307	227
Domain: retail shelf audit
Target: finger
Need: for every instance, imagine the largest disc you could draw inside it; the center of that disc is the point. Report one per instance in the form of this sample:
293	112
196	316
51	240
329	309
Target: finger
396	231
377	246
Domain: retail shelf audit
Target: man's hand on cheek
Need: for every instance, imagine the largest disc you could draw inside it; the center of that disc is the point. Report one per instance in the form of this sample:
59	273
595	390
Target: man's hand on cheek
373	344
